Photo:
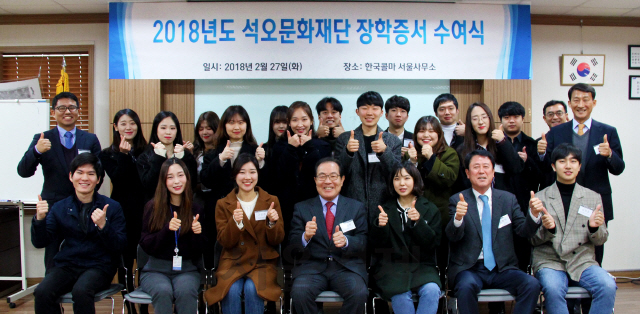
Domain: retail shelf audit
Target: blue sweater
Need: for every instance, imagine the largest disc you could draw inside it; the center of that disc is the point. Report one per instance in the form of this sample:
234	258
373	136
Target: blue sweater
94	249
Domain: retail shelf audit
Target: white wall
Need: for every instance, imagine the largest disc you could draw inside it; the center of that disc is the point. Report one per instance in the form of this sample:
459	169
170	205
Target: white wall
613	107
57	35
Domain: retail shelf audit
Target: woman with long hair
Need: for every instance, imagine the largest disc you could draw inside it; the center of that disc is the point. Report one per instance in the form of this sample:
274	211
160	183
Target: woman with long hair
404	236
172	237
480	133
250	229
297	158
119	162
165	142
278	123
204	131
233	137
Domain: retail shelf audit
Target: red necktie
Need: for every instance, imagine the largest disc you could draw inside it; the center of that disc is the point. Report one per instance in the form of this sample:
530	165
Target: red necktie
329	218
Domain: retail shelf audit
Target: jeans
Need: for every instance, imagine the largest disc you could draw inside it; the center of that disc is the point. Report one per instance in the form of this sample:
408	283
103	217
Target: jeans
595	279
83	283
429	294
232	302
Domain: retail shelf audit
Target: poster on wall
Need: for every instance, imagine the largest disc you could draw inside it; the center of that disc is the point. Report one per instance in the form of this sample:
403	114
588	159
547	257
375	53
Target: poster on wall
582	69
324	40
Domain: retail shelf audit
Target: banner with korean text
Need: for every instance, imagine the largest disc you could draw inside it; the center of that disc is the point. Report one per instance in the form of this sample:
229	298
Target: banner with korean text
325	40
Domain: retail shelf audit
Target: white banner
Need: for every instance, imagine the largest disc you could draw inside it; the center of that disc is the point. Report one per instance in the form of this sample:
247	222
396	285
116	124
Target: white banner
27	89
363	40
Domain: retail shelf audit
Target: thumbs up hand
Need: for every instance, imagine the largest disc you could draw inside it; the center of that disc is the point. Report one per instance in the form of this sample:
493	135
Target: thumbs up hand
413	213
353	145
547	220
99	216
337	130
535	204
523	154
413	153
339	240
304	138
597	217
124	146
293	140
323	130
238	213
382	217
272	214
427	151
195	225
542	144
310	229
498	134
42	208
175	223
604	148
460	128
43	145
260	153
227	153
378	146
461	208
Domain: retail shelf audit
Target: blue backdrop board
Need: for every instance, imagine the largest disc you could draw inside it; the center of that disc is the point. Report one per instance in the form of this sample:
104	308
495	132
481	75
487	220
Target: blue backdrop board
319	40
260	96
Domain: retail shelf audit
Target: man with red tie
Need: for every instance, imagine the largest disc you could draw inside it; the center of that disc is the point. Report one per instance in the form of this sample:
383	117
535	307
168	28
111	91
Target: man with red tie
331	232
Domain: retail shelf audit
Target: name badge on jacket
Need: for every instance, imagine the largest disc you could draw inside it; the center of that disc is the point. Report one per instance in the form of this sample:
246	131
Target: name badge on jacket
347	226
504	221
373	157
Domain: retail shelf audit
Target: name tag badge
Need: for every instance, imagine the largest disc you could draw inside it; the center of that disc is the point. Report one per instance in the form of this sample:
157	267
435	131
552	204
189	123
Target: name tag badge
177	263
597	149
260	215
82	151
373	157
585	211
504	221
347	226
407	141
499	168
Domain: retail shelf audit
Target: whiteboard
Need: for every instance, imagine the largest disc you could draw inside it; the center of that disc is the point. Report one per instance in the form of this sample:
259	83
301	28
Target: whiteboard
19	122
259	97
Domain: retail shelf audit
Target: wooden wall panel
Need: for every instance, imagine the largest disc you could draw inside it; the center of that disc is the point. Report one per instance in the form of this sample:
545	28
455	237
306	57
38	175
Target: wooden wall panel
142	96
467	92
497	92
178	96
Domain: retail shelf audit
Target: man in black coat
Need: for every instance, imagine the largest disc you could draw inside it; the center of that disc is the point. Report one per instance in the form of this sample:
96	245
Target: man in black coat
512	115
54	150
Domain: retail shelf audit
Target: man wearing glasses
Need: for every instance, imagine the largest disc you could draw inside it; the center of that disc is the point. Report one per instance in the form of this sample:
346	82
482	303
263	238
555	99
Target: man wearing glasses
555	113
54	150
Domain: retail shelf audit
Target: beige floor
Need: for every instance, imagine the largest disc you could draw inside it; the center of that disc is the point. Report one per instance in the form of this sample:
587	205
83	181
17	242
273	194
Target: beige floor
627	301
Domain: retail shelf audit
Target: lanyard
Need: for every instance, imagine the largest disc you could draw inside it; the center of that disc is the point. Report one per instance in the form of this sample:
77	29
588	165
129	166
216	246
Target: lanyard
176	236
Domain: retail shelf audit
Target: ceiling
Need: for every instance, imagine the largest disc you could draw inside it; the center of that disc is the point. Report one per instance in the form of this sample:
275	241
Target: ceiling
629	8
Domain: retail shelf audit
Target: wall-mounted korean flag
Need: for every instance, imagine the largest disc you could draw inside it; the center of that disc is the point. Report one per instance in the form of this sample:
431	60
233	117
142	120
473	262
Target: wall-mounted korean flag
582	69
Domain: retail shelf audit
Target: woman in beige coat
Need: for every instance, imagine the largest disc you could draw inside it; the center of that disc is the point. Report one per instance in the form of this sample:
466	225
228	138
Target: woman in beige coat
249	230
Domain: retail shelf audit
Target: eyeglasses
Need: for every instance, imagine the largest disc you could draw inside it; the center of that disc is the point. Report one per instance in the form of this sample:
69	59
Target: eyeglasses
559	114
64	108
333	177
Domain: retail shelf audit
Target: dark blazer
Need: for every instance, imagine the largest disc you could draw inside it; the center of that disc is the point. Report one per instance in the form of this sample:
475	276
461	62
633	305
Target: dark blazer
55	169
367	186
506	156
403	260
406	135
456	141
94	249
296	169
149	164
597	167
127	190
314	255
466	240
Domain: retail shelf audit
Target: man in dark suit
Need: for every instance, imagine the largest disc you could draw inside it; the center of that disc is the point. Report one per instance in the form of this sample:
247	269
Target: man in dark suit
599	143
554	113
480	233
331	232
367	154
397	112
54	150
511	115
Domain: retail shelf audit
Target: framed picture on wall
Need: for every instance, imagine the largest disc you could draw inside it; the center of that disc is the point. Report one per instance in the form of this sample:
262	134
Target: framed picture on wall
634	57
582	69
634	86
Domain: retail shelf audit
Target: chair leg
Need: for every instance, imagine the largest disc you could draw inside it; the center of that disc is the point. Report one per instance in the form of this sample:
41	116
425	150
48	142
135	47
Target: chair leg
123	304
113	304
